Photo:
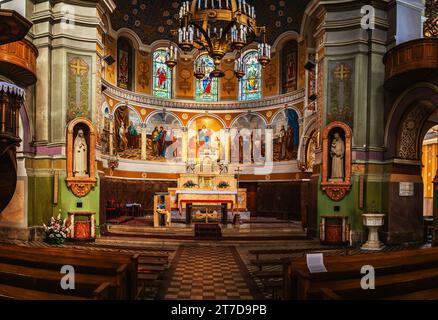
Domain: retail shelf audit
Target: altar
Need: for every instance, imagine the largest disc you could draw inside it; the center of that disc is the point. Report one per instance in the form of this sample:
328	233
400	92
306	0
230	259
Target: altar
207	189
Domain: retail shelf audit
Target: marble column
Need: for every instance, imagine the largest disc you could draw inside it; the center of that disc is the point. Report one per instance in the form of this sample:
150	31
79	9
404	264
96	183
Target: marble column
269	139
185	144
143	142
111	136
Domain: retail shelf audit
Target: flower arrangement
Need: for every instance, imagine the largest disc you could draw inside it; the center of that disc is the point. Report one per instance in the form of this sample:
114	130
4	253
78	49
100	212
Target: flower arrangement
223	185
56	231
189	184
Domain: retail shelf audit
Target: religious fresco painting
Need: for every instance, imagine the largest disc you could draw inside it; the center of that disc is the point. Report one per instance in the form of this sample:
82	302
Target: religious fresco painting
341	92
163	135
162	75
290	66
125	62
286	135
127	128
252	126
207	88
204	139
251	83
79	86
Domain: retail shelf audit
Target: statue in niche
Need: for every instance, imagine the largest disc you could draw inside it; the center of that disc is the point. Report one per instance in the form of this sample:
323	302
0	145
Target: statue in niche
337	152
80	155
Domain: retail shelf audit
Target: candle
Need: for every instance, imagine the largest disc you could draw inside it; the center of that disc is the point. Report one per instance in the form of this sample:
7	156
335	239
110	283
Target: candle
199	4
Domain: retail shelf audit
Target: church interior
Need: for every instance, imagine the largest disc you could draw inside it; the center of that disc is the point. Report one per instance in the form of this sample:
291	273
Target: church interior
218	149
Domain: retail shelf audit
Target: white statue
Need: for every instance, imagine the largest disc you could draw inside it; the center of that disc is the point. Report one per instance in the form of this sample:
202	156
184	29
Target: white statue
337	152
80	155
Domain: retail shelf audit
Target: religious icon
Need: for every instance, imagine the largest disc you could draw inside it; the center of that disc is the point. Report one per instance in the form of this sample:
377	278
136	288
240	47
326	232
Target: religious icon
80	155
252	83
160	139
337	151
161	78
123	69
204	138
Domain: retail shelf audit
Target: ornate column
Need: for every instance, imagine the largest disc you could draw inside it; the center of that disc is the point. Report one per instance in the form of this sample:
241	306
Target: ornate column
143	141
269	138
111	135
185	144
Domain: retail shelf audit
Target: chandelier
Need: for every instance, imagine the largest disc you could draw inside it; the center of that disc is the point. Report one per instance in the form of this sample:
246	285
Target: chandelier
218	27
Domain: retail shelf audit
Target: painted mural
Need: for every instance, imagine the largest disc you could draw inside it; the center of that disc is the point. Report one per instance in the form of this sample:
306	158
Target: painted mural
163	136
124	59
286	135
290	63
127	126
254	126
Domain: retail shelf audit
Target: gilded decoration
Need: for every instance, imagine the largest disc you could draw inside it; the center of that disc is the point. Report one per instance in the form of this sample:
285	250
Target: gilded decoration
79	86
143	72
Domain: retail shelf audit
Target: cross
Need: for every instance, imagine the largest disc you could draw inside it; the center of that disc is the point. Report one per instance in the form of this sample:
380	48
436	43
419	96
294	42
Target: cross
341	72
78	67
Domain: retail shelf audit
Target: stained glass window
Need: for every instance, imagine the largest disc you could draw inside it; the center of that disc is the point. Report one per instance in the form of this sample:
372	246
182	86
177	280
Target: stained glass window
251	83
206	88
162	76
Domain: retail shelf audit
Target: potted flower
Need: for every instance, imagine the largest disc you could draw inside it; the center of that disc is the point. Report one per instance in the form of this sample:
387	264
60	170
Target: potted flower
223	185
189	184
56	231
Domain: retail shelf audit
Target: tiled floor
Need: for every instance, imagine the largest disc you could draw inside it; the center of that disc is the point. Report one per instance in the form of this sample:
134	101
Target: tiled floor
208	273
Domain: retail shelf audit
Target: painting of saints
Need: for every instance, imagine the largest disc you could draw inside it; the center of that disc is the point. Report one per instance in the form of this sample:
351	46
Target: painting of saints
206	84
123	69
155	142
161	78
123	142
252	83
161	142
204	138
291	68
133	136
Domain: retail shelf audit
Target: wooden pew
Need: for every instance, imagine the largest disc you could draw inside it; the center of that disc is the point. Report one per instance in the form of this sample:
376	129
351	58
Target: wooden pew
16	293
415	285
301	284
122	267
35	278
289	251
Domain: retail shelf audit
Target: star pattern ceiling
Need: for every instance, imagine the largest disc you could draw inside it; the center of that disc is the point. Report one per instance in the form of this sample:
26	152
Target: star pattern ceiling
154	19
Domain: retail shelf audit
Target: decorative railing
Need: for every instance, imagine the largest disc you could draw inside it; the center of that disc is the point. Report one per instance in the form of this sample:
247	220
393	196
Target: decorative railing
146	100
18	62
410	61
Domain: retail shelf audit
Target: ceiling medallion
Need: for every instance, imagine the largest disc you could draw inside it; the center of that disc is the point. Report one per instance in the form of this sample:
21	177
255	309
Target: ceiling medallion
218	27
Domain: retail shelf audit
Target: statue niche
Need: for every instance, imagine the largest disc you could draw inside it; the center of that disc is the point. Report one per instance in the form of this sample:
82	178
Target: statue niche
81	141
336	166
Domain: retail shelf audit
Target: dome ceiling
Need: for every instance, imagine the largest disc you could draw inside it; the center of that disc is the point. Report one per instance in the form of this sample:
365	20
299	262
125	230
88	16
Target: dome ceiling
153	19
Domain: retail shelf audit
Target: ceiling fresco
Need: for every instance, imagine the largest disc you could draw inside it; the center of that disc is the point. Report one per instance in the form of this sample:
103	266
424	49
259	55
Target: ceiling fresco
154	19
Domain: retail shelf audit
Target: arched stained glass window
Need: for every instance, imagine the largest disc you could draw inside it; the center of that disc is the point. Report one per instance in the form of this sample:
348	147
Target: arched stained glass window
162	75
206	88
251	83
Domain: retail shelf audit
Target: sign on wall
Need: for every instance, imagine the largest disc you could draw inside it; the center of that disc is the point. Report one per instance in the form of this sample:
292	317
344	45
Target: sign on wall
406	189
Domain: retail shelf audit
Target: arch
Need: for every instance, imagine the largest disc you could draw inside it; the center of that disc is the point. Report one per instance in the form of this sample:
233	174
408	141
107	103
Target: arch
124	104
307	133
154	113
281	110
130	35
400	109
212	115
234	122
283	38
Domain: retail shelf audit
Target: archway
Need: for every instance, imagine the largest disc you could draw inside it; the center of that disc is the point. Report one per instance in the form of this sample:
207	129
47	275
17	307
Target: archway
410	118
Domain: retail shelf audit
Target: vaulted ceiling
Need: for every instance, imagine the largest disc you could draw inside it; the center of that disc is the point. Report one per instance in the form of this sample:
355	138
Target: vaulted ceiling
153	19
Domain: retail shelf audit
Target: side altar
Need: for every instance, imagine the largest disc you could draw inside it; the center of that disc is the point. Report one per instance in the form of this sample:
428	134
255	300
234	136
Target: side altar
205	189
